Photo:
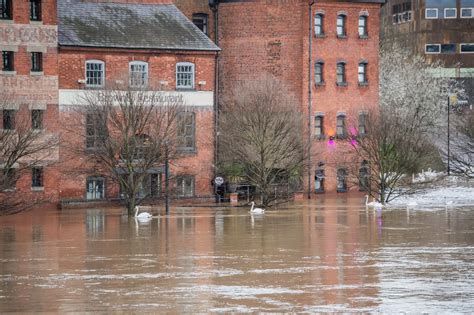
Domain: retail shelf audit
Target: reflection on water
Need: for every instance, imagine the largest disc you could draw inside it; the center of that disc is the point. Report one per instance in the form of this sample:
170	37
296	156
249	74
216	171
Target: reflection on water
323	255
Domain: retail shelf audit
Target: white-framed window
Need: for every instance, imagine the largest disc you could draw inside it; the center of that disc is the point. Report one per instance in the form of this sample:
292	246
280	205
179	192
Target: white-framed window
362	73
341	126
95	188
185	75
450	13
363	26
467	48
95	73
319	126
432	48
318	24
319	73
448	48
467	13
341	25
431	13
138	73
185	186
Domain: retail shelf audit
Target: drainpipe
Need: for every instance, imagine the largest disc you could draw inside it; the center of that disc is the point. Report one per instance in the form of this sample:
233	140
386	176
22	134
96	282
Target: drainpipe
214	5
310	89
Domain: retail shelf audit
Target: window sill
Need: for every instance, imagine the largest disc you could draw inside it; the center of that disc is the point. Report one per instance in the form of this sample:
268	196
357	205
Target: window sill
36	73
39	188
320	84
7	21
364	84
319	191
36	22
363	36
94	87
320	35
343	84
183	89
8	73
9	190
341	36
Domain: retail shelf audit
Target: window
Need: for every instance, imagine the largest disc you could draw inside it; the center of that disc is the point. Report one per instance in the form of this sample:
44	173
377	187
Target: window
95	70
362	73
200	20
95	188
319	179
341	126
432	48
467	13
448	48
450	13
138	74
318	24
364	176
401	12
7	63
362	124
36	62
431	13
318	73
37	177
467	48
185	75
319	126
341	26
186	131
8	119
363	26
185	186
341	73
440	9
35	10
341	180
6	9
37	119
96	130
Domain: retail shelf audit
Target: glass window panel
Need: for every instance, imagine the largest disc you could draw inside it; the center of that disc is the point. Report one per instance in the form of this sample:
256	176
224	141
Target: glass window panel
448	48
432	48
467	48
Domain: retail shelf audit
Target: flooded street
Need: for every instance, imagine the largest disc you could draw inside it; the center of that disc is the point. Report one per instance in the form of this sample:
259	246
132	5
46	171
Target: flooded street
323	255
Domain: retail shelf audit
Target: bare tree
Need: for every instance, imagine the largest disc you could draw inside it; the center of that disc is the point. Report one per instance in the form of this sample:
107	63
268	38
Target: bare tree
388	153
261	131
22	147
462	145
398	139
126	133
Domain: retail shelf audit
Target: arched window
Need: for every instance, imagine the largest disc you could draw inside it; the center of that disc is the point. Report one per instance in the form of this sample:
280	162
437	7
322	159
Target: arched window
362	73
319	126
186	131
341	25
138	73
95	73
319	178
318	24
319	73
364	176
341	73
363	26
341	180
184	75
341	126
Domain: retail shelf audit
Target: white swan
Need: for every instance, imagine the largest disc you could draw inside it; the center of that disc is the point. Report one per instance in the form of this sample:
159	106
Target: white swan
256	210
143	215
374	204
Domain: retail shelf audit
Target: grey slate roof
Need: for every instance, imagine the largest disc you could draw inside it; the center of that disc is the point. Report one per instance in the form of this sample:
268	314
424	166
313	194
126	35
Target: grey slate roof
126	25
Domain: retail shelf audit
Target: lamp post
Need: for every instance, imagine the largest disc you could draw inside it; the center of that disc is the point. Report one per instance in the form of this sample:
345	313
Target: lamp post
167	180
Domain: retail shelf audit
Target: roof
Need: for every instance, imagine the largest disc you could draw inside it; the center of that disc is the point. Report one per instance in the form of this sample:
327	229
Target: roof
126	25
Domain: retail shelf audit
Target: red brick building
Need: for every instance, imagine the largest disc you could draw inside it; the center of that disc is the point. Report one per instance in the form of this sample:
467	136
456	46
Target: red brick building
103	43
29	88
333	70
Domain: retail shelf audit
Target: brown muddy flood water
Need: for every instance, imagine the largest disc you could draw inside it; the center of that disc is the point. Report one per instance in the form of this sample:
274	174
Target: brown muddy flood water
326	255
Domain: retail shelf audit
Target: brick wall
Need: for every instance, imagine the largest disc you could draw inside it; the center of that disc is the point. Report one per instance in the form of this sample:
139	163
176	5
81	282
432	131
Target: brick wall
162	67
